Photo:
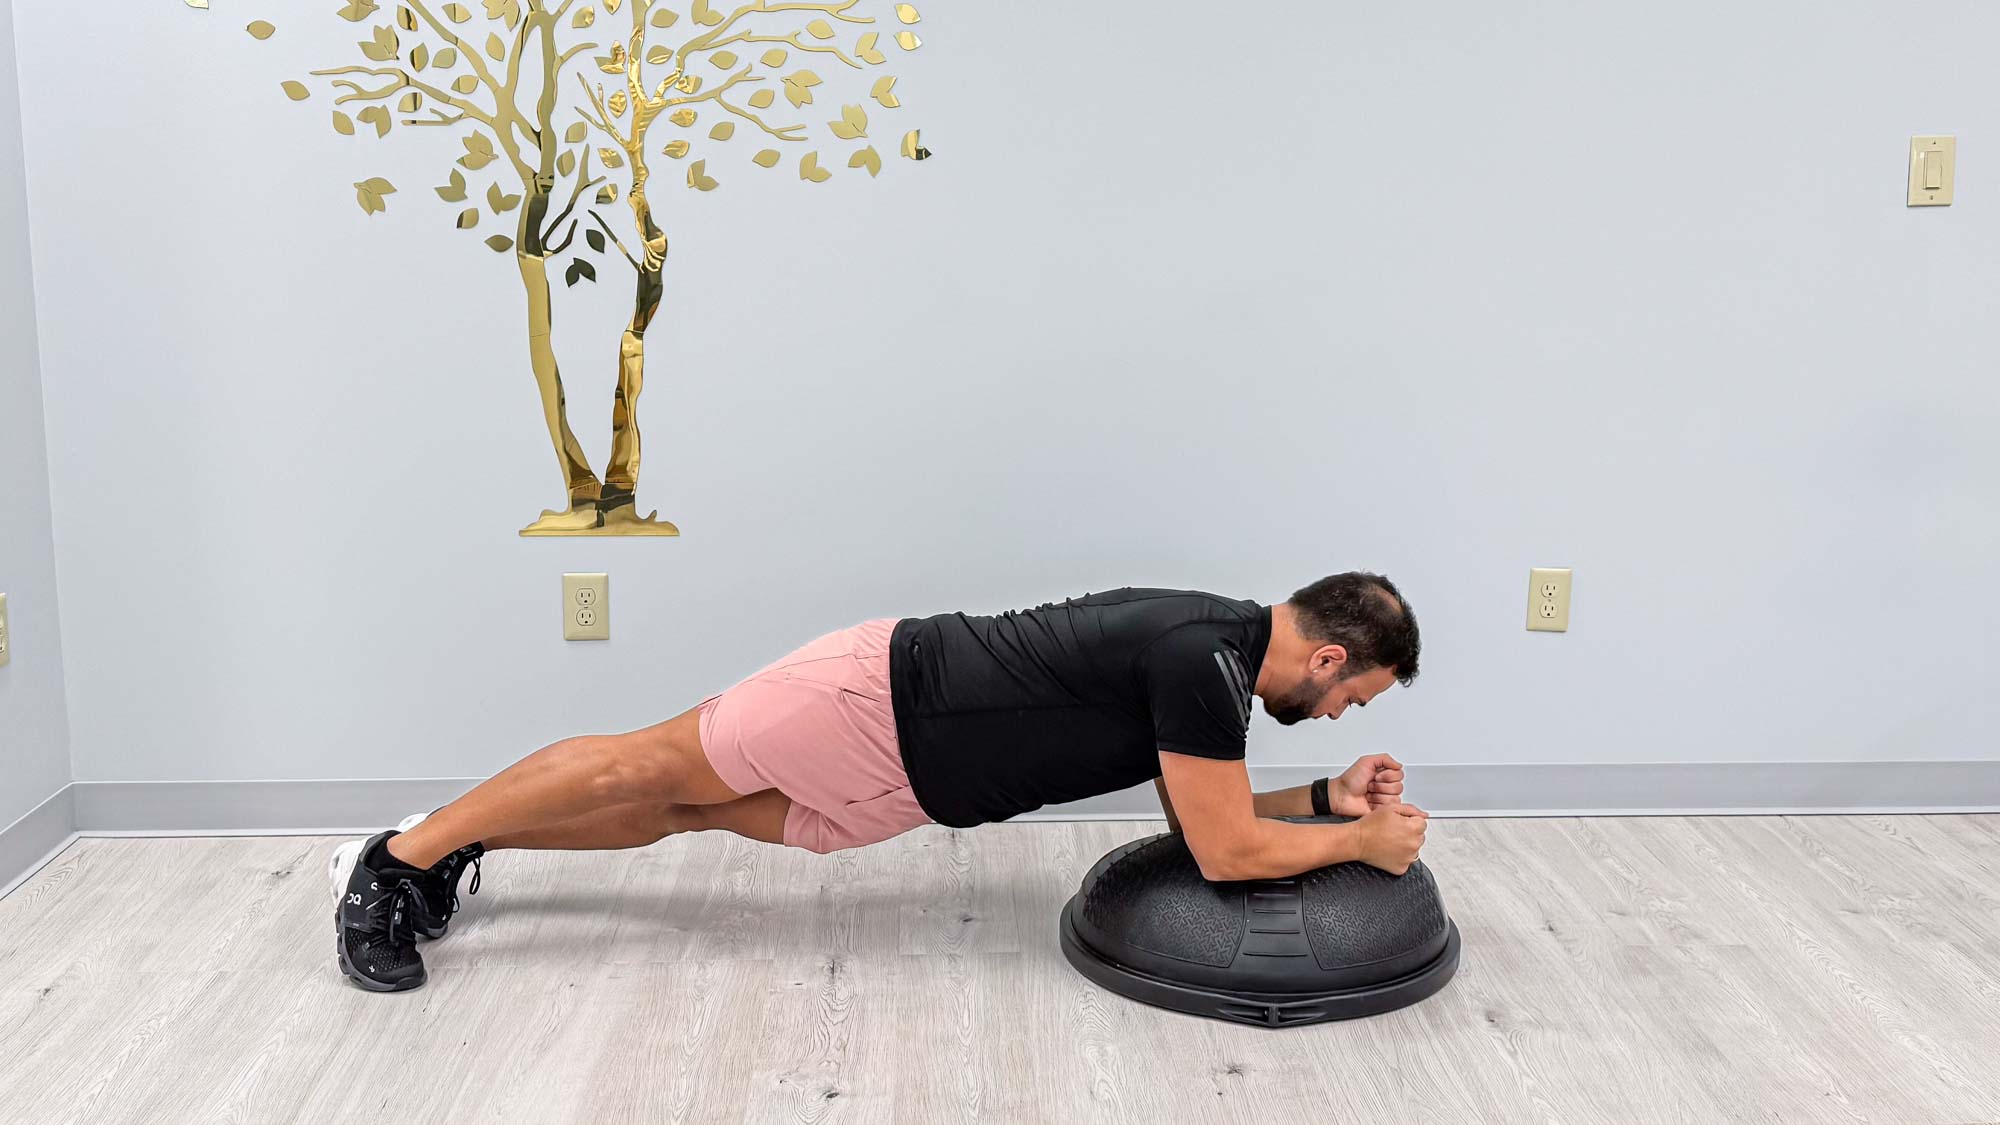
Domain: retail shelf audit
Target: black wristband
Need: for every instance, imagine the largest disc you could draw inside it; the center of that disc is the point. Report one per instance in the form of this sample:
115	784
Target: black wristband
1321	806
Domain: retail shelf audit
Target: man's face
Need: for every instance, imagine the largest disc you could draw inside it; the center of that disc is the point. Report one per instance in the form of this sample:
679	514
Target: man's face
1323	694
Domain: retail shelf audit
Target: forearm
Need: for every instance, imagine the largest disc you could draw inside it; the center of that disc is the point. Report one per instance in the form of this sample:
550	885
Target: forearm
1278	848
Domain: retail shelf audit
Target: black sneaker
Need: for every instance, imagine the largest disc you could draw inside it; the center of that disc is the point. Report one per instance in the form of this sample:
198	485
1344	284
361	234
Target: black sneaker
373	917
440	899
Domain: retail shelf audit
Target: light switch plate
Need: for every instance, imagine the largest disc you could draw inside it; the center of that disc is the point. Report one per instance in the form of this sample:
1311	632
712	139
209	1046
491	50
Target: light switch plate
1933	170
1548	600
586	607
6	642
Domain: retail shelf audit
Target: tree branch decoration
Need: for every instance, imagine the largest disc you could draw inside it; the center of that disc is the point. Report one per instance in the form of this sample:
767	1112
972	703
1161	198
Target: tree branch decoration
629	65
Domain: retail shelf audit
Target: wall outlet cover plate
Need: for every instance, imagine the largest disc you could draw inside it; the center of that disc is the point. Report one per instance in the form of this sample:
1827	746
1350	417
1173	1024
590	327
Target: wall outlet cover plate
1548	600
586	607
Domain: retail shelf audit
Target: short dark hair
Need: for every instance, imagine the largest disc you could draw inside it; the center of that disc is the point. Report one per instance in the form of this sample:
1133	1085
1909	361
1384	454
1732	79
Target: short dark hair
1367	615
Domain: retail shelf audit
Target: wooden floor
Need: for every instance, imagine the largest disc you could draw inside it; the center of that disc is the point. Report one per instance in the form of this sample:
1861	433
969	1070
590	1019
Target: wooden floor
1778	969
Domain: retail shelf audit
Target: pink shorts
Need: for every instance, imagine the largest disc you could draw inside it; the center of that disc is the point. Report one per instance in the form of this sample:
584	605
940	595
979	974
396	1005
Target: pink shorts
818	727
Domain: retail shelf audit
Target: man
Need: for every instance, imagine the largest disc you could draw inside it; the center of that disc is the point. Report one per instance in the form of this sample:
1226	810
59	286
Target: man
871	731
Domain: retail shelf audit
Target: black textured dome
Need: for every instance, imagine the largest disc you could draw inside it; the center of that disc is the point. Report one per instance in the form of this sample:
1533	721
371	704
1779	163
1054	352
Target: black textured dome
1342	941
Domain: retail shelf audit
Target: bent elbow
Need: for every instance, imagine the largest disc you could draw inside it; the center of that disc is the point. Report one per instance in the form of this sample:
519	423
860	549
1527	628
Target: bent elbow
1227	865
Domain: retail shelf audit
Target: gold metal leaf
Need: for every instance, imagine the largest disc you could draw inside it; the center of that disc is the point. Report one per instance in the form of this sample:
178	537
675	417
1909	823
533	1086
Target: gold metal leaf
295	90
611	7
500	243
689	83
776	56
723	131
907	14
478	152
575	133
406	19
665	17
853	123
867	49
723	60
260	29
798	87
378	116
465	83
698	177
908	40
496	47
454	191
565	164
885	92
447	57
820	29
703	14
584	18
382	47
867	158
682	117
500	201
468	218
676	149
913	146
608	193
354	11
809	169
762	99
617	104
420	56
197	3
457	13
659	56
766	159
411	102
507	11
342	124
610	158
369	192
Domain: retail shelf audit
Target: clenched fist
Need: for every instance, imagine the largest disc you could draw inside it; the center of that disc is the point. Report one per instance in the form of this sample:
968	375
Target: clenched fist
1391	836
1370	783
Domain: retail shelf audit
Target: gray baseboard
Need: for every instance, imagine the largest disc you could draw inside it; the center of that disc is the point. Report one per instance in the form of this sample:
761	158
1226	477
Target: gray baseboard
35	838
1639	789
332	807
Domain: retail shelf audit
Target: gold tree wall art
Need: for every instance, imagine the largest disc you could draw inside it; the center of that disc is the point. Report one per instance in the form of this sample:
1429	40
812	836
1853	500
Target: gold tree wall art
558	107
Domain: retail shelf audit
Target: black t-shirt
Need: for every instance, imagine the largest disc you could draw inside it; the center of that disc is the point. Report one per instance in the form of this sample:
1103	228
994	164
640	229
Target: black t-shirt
1002	715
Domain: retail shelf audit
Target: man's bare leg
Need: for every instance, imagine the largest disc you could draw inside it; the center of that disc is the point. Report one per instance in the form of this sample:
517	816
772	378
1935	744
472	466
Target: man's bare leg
760	816
661	765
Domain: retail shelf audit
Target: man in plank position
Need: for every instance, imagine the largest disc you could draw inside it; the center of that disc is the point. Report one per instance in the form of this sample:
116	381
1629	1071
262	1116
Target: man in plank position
871	731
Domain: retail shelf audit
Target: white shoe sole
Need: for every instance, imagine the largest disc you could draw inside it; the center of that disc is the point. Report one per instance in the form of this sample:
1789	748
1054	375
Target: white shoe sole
340	867
411	821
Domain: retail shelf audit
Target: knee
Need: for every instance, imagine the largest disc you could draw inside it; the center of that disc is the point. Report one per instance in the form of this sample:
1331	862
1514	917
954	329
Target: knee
674	819
624	772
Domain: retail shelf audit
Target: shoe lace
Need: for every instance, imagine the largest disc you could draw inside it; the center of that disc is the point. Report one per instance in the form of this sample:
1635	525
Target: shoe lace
387	912
472	888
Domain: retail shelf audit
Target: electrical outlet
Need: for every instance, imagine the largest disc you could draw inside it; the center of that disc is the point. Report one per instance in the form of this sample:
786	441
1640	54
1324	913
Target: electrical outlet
586	607
1548	600
6	648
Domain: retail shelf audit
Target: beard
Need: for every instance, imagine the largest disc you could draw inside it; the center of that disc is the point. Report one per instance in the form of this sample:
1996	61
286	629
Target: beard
1298	704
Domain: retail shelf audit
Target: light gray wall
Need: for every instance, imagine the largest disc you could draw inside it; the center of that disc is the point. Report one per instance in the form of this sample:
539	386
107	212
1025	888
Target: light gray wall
1446	290
34	729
